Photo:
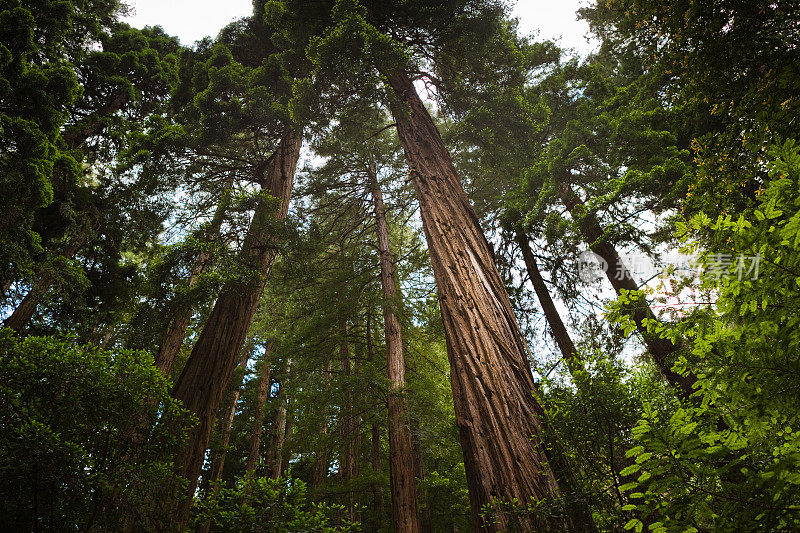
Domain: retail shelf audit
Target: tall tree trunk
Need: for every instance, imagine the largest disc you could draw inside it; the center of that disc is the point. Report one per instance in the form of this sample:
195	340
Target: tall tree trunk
275	459
254	447
377	486
176	331
224	426
497	406
321	461
405	515
560	333
419	474
347	425
287	435
201	385
662	350
375	445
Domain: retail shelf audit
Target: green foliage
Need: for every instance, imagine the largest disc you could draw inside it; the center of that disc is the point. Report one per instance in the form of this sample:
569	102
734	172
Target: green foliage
71	446
730	462
263	505
593	422
125	157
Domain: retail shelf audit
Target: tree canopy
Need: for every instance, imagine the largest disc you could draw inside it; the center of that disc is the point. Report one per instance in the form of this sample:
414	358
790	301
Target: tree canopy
355	265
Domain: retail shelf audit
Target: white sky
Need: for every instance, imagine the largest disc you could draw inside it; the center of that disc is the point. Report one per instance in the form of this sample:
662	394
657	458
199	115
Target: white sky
192	20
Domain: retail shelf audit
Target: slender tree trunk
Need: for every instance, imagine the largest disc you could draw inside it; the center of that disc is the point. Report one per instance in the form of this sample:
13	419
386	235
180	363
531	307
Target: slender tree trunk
375	445
275	460
377	486
254	448
287	436
620	277
201	385
560	333
347	426
218	462
497	406
405	515
321	461
419	474
176	331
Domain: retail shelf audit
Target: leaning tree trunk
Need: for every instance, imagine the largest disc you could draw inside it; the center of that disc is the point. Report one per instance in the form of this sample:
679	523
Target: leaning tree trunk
202	383
254	447
25	310
560	333
176	331
621	279
497	407
224	427
23	313
403	484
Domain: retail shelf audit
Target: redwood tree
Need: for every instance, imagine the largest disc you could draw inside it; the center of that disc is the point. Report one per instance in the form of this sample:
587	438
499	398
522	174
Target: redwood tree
210	366
498	410
401	465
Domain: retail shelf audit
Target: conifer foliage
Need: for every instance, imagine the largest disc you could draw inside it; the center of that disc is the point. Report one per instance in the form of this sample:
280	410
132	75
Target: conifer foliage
370	265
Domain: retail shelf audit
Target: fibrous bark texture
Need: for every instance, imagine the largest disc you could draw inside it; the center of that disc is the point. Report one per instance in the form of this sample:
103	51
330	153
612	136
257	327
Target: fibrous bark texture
176	331
403	484
496	405
210	366
224	426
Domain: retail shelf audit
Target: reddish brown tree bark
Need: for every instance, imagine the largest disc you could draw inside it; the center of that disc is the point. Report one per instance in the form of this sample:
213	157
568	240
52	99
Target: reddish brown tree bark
375	444
202	383
560	333
403	483
23	313
497	408
254	447
662	350
224	426
176	331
